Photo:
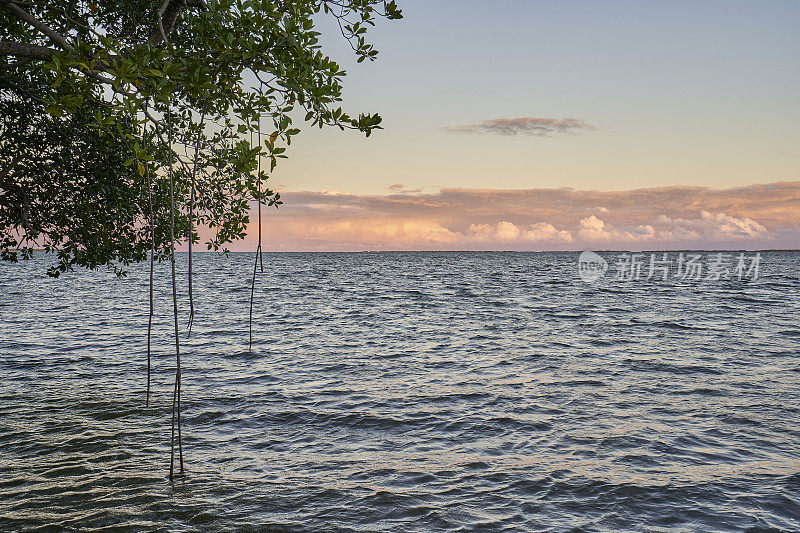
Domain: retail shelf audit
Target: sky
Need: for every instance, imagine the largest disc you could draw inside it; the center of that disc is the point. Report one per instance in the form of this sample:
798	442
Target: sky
527	124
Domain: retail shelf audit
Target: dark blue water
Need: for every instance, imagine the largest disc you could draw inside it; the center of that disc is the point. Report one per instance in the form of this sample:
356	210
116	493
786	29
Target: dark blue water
404	392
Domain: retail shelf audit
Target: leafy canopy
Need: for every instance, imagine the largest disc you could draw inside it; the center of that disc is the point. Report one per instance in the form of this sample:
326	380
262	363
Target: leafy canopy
101	101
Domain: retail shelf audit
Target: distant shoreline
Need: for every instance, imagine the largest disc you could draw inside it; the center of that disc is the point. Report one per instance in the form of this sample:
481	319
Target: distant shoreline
480	251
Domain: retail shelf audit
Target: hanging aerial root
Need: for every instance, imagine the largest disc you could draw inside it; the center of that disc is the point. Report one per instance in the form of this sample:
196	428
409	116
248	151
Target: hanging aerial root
253	282
150	317
172	433
191	214
252	292
176	404
258	184
152	259
259	257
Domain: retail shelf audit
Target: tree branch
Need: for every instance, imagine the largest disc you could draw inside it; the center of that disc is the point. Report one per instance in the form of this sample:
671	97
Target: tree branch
7	170
54	36
167	16
33	51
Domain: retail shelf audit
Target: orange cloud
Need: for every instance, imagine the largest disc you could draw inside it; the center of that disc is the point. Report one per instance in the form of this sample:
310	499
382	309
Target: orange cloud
753	217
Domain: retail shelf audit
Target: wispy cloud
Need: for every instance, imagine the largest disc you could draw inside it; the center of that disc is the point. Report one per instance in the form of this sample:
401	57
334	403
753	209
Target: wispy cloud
530	126
399	188
757	216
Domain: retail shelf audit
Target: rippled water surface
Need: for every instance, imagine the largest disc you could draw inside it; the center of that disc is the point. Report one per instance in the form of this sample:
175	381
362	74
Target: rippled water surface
403	392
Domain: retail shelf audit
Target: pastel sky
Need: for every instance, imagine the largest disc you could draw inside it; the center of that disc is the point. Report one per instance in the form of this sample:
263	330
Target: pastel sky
527	124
